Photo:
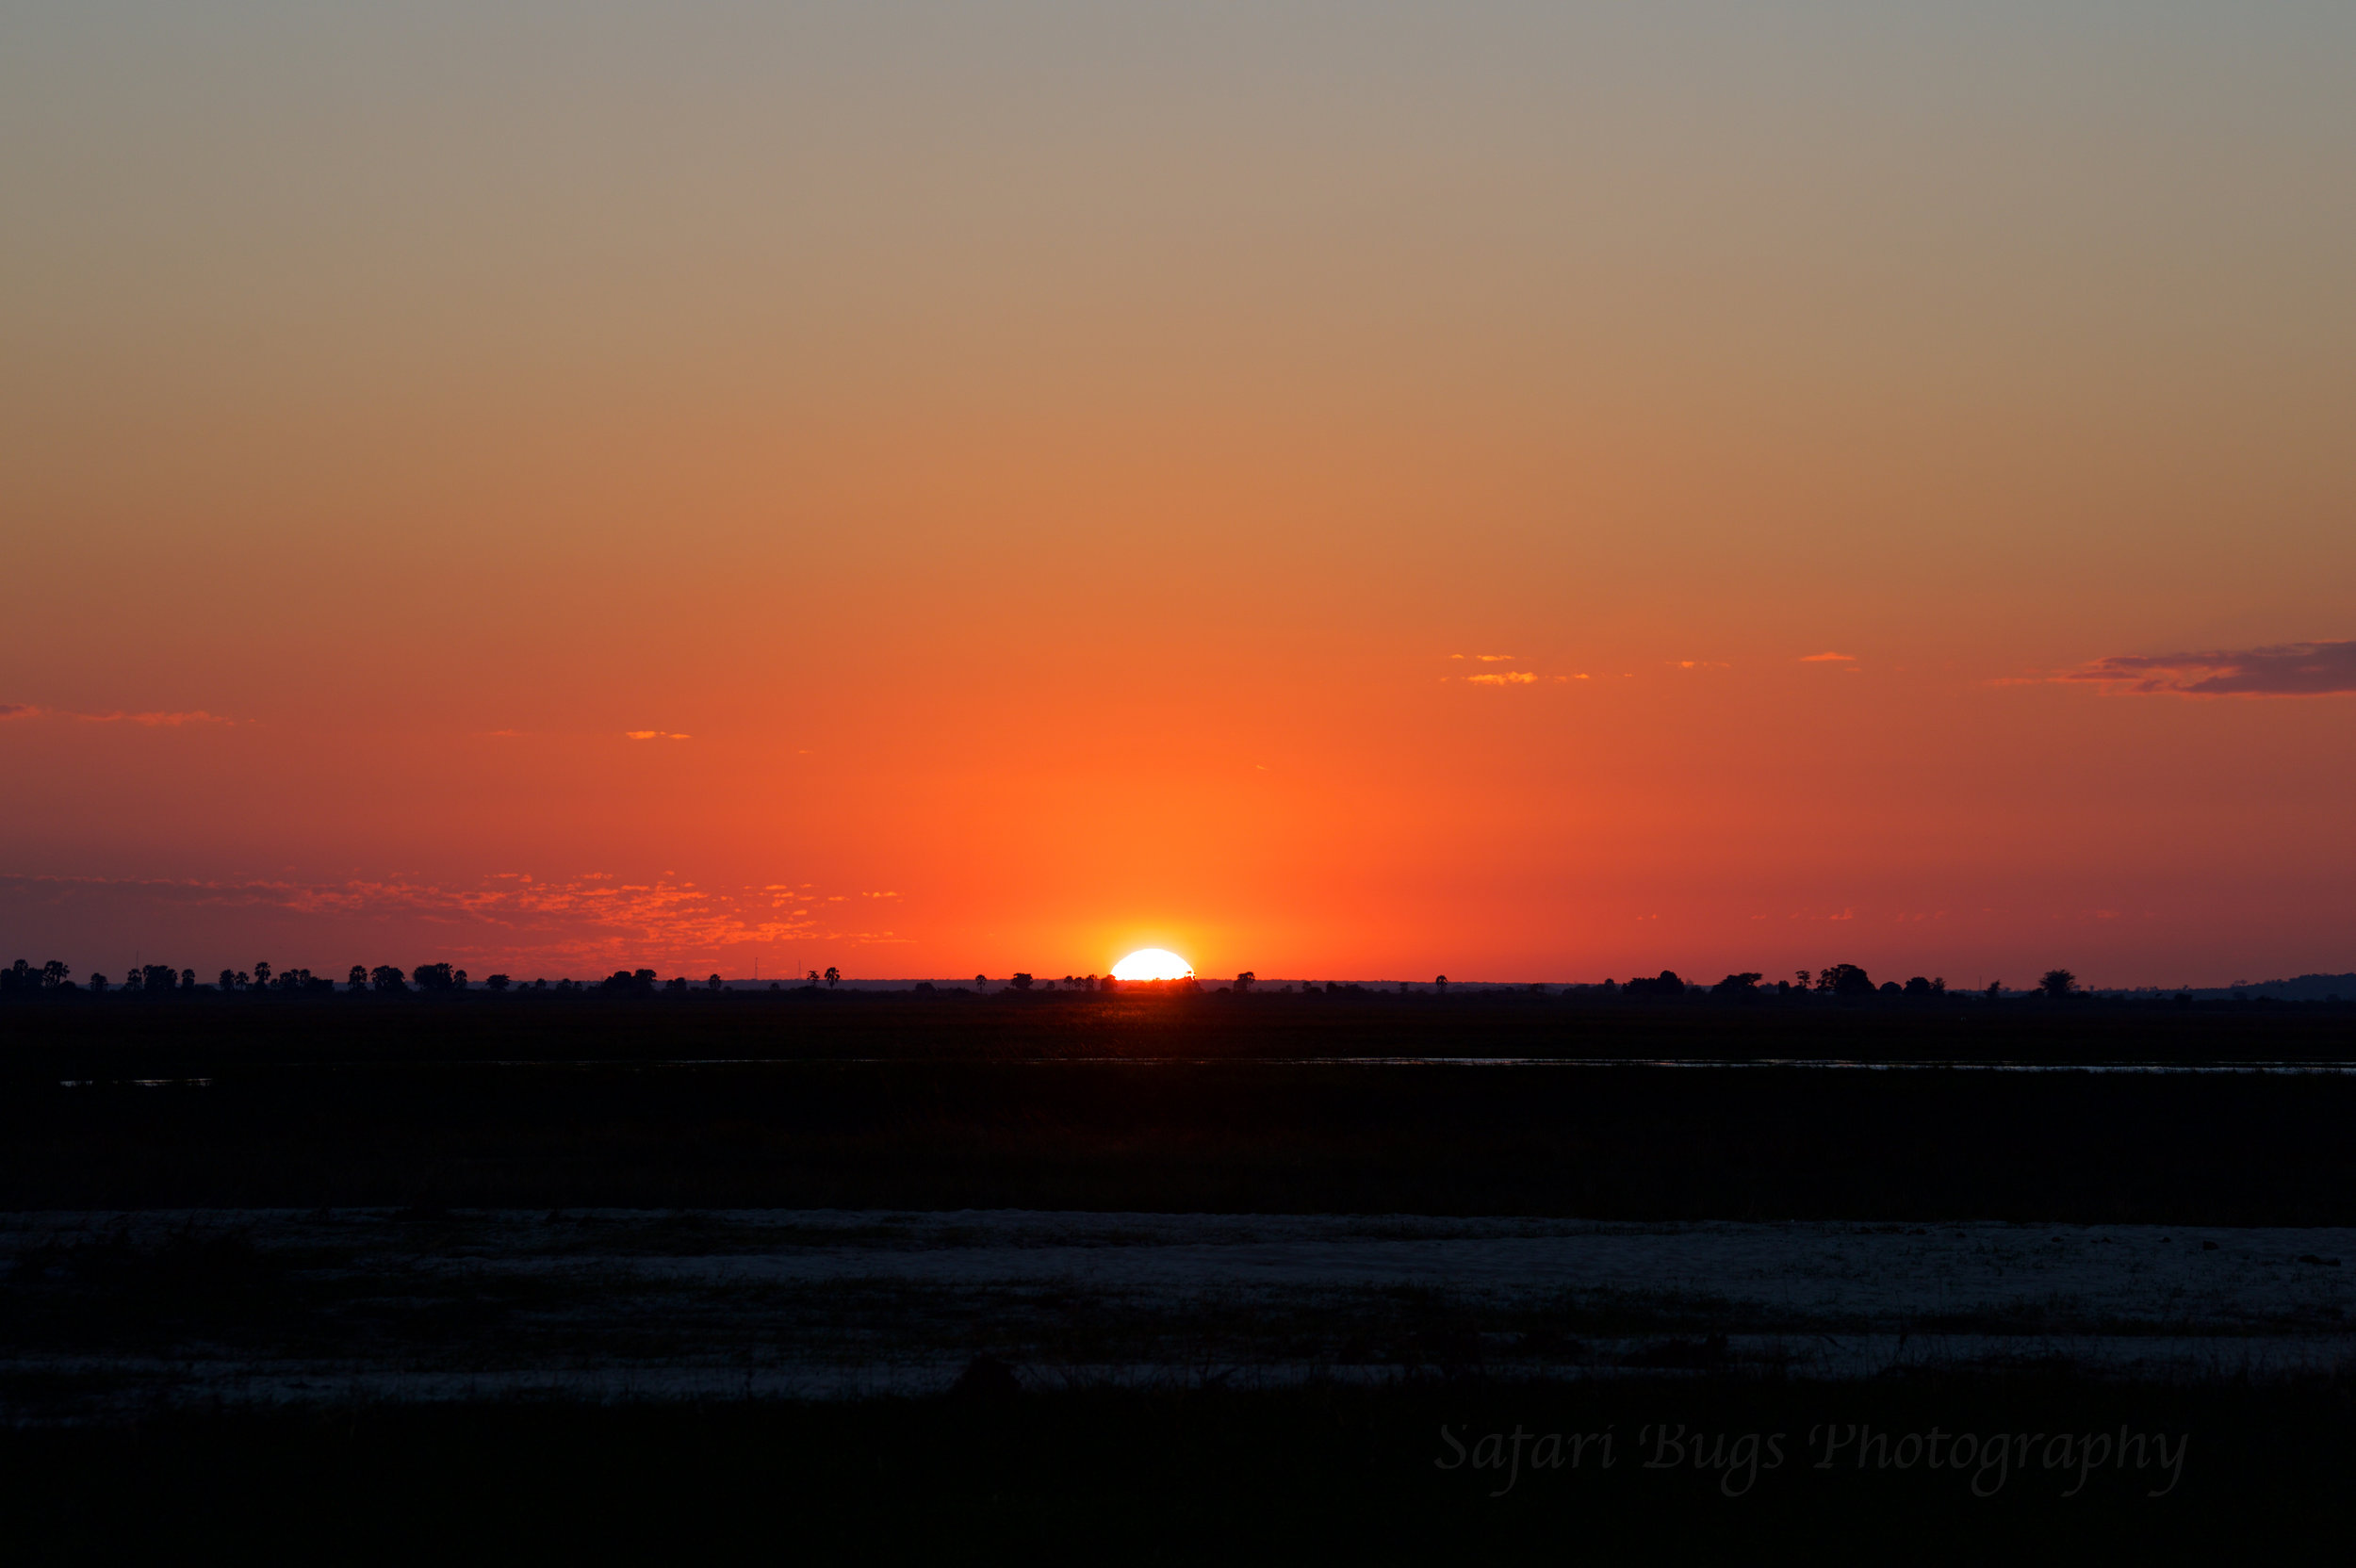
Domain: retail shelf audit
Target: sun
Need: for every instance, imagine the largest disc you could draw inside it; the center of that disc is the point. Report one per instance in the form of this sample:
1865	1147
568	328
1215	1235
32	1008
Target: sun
1152	963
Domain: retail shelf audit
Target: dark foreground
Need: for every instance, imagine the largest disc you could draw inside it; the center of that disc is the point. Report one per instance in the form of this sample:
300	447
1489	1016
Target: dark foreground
110	1316
130	1035
1594	1142
1419	1473
488	1361
1233	1104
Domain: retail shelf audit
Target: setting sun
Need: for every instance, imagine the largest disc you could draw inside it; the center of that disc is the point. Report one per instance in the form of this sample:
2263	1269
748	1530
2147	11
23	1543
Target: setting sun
1152	963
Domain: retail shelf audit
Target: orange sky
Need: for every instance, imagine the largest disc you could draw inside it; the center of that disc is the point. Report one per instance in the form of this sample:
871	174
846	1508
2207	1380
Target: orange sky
1046	466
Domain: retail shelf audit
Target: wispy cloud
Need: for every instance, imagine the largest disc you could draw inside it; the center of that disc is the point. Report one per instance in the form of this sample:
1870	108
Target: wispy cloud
1829	659
152	720
171	721
654	735
2288	670
1701	664
572	924
1509	678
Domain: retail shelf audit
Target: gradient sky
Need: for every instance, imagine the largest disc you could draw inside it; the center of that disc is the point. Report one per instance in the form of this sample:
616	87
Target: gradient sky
1360	490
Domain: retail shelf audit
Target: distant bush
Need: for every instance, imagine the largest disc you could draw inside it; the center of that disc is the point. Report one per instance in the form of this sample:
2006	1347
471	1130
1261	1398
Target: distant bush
23	978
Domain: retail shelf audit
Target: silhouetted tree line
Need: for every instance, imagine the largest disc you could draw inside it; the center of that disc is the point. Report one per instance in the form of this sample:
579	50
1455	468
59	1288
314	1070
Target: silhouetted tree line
1840	980
264	979
23	978
1843	982
1023	985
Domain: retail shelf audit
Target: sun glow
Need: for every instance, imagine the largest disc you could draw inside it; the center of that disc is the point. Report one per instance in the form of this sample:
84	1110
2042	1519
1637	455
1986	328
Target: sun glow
1152	963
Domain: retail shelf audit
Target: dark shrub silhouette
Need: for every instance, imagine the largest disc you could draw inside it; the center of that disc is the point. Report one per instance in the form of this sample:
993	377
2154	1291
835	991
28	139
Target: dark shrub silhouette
625	982
384	977
358	980
986	1379
1021	982
2057	983
713	984
1745	983
494	982
1666	984
1844	980
436	977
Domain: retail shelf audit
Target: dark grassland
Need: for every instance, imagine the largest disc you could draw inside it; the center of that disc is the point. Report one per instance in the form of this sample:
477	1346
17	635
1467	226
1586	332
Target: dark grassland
1316	1474
1172	1104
